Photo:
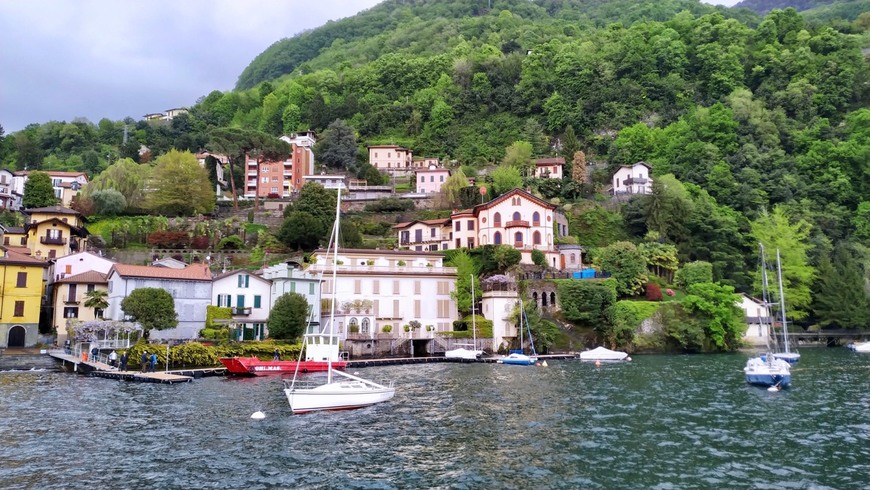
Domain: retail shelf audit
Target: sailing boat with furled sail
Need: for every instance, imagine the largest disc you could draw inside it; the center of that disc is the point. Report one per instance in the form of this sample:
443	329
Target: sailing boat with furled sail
342	391
461	352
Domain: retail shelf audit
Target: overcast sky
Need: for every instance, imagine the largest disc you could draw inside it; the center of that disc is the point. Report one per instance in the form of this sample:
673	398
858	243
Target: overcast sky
62	59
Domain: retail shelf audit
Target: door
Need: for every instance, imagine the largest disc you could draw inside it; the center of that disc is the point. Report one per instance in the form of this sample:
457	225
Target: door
16	336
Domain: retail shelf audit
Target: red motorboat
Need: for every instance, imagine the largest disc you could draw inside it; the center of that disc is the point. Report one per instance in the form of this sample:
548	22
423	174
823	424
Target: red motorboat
251	366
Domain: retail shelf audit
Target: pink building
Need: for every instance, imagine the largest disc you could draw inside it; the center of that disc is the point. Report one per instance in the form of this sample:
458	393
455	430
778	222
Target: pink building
391	157
549	168
430	179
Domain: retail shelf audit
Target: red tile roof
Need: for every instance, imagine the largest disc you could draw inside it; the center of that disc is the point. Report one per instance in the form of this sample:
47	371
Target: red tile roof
550	161
441	221
89	277
193	272
12	257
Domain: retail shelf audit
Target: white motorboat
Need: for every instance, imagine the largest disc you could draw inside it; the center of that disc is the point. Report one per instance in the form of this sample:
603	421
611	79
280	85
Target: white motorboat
518	357
461	352
342	391
603	354
859	346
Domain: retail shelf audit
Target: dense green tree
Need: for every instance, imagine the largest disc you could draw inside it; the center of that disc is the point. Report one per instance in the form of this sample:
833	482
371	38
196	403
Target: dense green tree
301	230
38	191
181	186
289	316
152	308
126	177
97	300
697	272
717	304
519	156
466	274
336	147
626	265
505	178
109	202
840	298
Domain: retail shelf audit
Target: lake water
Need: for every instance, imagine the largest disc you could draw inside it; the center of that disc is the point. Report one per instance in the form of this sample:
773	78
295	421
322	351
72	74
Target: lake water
658	422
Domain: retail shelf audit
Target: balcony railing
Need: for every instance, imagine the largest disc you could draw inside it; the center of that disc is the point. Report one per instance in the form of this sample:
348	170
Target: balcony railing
70	301
635	180
423	241
243	311
50	240
518	223
316	268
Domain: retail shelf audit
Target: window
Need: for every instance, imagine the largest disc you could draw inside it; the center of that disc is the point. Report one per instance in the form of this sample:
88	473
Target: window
72	312
417	287
536	238
516	216
240	301
496	219
573	259
24	240
91	287
416	308
422	178
366	326
396	309
431	178
357	286
258	302
442	178
432	232
470	225
71	297
376	286
518	239
19	308
244	280
458	226
310	288
396	286
292	286
496	239
443	287
536	218
471	243
443	308
22	280
458	243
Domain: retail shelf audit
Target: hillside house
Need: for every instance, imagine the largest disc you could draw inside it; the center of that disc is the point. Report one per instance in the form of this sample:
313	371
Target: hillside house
8	198
65	184
249	298
632	179
301	156
429	180
391	158
54	231
549	168
289	277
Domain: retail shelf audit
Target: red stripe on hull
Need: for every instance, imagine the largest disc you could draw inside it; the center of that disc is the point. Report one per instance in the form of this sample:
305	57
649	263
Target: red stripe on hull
251	366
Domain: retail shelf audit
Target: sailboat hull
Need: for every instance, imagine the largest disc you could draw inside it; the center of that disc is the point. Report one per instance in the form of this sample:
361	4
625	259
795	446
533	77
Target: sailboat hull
341	395
463	354
789	357
766	371
519	360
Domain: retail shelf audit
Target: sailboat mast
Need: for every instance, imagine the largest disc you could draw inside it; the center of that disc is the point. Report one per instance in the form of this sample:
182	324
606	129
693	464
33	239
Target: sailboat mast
335	228
782	302
765	294
473	322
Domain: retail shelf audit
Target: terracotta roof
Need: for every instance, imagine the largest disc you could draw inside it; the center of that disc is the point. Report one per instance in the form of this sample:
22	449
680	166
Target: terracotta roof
18	230
370	251
52	173
193	272
386	146
550	161
51	210
89	277
20	250
256	275
12	257
511	193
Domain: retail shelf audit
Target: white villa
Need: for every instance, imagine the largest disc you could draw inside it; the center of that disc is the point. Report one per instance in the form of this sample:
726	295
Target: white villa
632	179
549	168
289	277
758	320
249	296
380	291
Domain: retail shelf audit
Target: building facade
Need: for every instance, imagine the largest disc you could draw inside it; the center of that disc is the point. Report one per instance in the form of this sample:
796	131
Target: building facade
632	179
69	295
390	158
302	156
289	277
249	298
549	168
23	282
54	231
430	180
65	184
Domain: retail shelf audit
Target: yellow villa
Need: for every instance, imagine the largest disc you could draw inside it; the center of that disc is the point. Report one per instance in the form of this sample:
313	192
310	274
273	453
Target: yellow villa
54	231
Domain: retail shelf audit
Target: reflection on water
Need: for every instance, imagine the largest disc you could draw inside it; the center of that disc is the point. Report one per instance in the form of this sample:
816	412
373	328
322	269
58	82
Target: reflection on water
657	422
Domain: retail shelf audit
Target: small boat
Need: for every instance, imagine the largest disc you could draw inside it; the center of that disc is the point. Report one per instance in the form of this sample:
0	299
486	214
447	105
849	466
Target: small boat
319	349
785	353
518	357
462	353
603	354
767	370
859	346
342	391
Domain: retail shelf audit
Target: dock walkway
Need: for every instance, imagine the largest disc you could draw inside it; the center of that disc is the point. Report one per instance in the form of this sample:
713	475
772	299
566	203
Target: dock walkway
103	370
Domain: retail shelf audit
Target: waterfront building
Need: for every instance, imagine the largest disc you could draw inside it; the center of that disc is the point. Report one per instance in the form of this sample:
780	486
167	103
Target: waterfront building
249	298
378	292
190	288
23	281
758	320
498	300
69	295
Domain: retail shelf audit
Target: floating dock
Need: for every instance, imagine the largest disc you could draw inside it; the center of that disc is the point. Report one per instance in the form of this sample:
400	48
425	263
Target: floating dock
103	370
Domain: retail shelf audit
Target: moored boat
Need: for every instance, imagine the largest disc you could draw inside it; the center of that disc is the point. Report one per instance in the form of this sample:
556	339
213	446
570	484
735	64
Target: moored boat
252	366
518	357
859	346
461	352
603	354
767	370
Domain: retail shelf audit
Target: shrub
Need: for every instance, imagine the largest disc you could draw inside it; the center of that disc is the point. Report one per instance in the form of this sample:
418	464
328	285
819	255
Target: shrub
199	242
697	272
390	205
169	239
586	302
538	258
387	328
653	292
232	242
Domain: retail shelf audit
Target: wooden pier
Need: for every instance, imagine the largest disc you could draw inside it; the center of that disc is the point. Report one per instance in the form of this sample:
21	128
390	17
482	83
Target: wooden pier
103	370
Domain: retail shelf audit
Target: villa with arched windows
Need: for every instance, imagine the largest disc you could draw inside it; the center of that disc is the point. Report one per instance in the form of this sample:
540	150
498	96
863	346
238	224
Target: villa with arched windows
517	218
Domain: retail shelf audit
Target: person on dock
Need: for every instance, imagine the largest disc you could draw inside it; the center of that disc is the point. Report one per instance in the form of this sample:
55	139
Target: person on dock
66	346
113	359
144	361
124	359
276	356
94	353
153	362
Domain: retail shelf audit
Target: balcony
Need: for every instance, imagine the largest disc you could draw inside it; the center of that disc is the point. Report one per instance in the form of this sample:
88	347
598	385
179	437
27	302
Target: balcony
635	181
243	311
423	241
517	224
51	240
70	301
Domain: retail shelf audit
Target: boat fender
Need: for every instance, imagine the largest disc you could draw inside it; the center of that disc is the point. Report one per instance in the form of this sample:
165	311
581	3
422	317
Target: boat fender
597	363
258	415
544	364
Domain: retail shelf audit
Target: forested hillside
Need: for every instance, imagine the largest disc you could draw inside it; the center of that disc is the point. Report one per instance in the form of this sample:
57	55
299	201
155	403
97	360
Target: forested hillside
756	128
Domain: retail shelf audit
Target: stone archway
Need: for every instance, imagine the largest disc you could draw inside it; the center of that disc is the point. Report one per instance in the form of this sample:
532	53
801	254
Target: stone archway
17	336
552	298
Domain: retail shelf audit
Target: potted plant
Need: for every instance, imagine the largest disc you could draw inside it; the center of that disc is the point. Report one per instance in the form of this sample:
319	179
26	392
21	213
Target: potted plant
401	263
429	328
407	327
387	328
370	262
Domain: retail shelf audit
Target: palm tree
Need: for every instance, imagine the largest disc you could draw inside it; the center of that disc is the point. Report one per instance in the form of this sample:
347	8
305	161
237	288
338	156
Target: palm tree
97	299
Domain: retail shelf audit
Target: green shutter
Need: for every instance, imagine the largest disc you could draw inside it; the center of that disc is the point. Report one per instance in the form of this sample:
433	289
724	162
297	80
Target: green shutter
240	301
256	301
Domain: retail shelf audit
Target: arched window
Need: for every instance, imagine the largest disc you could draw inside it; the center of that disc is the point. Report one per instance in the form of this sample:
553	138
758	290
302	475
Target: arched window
496	219
553	299
573	259
496	239
535	297
536	238
536	218
516	216
518	239
365	325
353	325
544	298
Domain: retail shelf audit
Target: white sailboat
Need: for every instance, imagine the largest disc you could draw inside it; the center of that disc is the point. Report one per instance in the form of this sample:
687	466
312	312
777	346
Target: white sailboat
518	357
462	353
342	391
786	354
